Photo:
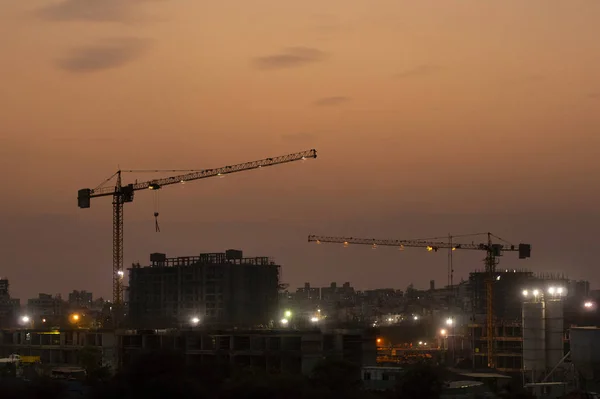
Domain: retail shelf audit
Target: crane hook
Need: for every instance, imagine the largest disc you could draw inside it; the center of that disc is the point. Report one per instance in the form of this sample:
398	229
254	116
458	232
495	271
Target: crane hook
156	222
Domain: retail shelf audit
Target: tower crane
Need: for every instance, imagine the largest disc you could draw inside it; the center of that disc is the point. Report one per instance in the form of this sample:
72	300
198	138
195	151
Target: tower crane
122	194
492	250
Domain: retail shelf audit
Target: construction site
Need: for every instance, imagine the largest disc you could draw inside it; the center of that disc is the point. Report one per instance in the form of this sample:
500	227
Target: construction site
508	321
499	324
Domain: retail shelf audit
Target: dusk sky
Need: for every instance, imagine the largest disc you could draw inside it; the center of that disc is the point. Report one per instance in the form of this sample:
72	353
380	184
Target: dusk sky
429	117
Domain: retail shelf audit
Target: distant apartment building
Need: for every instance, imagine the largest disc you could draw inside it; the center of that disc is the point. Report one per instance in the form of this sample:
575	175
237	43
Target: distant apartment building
46	305
8	306
308	293
334	293
382	293
218	288
4	287
80	299
579	288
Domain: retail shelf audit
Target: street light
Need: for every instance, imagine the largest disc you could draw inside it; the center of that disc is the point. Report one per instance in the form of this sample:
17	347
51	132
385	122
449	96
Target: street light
287	314
556	291
415	318
75	318
443	332
195	321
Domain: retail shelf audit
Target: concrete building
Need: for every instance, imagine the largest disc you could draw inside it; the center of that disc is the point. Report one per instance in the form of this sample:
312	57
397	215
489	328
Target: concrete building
289	351
508	284
585	355
333	293
80	299
58	348
9	307
46	306
308	293
4	287
508	344
217	288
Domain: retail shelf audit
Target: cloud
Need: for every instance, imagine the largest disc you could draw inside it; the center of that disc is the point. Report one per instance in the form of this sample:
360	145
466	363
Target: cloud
331	101
89	139
110	54
594	95
290	58
299	137
525	79
89	10
420	70
92	10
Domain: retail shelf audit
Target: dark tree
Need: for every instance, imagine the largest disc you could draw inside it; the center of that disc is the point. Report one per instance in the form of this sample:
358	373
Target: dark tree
252	383
164	374
337	376
42	388
423	382
90	358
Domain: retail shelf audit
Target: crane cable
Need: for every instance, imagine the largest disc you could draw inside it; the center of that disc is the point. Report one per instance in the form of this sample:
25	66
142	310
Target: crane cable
156	206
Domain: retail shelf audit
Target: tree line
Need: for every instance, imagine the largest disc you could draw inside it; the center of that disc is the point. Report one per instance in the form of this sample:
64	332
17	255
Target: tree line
159	375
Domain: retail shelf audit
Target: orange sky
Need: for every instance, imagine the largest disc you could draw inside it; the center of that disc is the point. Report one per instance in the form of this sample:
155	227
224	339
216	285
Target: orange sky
429	117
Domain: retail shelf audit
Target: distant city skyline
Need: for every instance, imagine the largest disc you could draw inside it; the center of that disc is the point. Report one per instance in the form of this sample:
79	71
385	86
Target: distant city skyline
429	118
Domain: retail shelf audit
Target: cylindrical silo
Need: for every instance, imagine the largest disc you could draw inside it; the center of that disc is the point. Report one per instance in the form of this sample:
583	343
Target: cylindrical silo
534	338
554	332
585	354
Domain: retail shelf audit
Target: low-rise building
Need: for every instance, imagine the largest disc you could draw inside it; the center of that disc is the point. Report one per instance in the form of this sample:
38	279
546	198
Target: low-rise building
58	347
291	351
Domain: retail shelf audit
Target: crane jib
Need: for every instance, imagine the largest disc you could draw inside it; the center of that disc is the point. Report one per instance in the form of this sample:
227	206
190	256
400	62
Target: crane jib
85	195
524	250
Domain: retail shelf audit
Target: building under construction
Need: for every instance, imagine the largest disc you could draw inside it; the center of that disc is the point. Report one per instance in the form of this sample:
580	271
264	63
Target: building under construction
222	289
507	301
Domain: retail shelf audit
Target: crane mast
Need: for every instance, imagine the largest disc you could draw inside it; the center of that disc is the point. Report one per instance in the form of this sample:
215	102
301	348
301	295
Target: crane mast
122	194
118	273
493	251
